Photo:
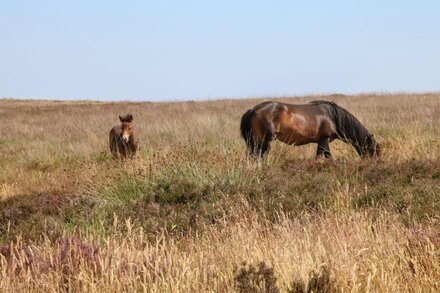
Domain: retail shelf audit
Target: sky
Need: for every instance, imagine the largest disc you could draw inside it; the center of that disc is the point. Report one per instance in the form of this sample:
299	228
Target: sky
191	50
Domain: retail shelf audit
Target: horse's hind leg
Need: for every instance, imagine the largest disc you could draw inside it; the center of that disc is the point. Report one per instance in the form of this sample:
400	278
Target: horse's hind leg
264	145
250	144
323	150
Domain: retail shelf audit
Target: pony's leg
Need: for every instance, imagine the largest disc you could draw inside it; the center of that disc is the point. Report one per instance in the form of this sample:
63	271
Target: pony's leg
114	148
264	145
125	150
323	150
250	144
134	148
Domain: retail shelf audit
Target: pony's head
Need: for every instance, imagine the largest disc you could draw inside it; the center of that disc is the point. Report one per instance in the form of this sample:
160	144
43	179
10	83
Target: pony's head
372	147
127	128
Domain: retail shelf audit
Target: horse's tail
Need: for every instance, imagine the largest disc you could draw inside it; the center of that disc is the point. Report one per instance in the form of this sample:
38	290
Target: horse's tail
246	128
348	128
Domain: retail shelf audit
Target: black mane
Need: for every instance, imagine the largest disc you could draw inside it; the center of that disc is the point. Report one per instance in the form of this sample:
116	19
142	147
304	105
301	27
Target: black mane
348	127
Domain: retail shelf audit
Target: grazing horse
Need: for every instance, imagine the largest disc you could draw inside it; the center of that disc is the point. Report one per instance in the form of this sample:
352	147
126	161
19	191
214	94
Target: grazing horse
316	122
121	138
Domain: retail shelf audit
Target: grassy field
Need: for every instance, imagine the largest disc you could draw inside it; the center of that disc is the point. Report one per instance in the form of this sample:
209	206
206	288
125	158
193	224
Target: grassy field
193	214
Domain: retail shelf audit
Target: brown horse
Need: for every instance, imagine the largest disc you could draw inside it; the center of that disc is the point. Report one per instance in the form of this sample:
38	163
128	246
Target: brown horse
316	122
121	138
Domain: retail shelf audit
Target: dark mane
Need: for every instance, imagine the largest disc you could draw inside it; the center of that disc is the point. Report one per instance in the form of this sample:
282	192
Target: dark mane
348	127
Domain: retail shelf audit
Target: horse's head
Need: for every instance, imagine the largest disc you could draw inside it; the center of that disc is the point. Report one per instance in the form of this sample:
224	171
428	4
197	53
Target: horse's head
127	127
372	147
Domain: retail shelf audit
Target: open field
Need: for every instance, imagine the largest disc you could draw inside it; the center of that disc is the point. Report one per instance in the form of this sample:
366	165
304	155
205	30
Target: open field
191	209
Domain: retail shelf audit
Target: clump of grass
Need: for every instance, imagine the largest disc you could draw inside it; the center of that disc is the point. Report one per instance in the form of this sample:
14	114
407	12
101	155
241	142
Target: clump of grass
259	278
320	281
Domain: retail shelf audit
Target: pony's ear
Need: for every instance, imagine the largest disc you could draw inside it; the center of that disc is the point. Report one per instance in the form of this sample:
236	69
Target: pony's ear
127	118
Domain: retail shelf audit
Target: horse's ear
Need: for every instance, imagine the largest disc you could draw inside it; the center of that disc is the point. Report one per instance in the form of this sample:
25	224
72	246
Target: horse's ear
127	118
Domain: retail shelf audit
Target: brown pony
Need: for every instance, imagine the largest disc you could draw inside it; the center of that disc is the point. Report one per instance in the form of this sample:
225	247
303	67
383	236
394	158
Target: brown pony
316	122
121	138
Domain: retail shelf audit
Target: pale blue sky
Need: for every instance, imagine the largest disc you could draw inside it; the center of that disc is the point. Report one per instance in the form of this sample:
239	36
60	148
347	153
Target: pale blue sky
177	50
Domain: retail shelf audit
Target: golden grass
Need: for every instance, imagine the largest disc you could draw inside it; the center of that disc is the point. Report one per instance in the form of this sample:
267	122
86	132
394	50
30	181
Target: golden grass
362	254
186	214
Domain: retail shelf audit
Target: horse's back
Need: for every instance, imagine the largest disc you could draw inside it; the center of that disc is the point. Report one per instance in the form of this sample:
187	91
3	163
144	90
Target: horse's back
274	106
266	106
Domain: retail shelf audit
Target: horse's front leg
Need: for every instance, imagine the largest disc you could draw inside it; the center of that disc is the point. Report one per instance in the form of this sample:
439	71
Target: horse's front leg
323	150
134	149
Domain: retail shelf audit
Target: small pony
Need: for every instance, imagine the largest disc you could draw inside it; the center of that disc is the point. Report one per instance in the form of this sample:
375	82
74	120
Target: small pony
121	138
316	122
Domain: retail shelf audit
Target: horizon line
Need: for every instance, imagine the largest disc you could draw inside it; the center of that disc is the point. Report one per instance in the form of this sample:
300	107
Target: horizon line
223	98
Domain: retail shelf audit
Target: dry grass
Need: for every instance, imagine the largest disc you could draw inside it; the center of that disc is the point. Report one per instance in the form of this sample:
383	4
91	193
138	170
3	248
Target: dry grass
362	255
188	212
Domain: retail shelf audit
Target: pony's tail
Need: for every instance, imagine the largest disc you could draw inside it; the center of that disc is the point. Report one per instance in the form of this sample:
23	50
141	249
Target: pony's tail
246	129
